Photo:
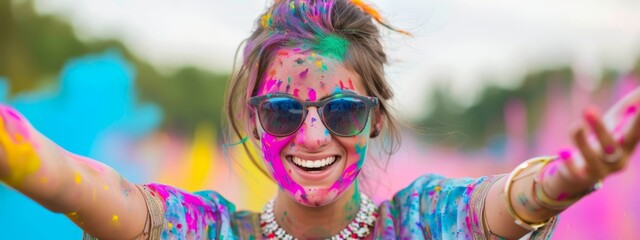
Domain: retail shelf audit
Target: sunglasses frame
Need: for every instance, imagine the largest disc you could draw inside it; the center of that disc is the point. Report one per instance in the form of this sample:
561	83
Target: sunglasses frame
369	102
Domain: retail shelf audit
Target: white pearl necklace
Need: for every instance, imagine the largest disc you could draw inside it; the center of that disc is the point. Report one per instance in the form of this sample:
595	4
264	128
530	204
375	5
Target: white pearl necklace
357	229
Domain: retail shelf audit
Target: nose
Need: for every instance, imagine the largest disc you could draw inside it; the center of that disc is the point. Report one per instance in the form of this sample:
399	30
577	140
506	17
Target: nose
313	135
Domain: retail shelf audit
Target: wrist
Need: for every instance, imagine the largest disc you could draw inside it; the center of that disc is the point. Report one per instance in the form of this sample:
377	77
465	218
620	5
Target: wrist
558	182
554	190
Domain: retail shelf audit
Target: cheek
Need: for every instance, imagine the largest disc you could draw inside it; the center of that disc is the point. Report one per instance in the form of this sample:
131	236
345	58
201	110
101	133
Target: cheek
358	149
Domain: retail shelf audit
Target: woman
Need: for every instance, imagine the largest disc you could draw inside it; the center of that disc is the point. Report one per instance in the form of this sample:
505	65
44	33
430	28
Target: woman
311	94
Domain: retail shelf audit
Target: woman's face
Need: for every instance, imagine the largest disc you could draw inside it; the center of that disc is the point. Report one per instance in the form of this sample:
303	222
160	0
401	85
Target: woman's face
307	76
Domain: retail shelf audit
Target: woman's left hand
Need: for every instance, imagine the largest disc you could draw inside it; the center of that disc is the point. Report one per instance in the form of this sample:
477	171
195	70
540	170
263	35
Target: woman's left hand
610	147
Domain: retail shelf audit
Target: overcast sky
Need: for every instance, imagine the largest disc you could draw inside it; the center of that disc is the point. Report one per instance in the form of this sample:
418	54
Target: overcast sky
464	41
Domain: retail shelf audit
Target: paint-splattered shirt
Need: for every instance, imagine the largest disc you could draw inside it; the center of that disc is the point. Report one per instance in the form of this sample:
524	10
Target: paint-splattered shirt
432	207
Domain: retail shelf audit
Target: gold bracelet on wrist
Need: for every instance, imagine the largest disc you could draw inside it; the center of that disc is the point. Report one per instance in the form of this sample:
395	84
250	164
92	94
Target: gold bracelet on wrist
558	204
507	190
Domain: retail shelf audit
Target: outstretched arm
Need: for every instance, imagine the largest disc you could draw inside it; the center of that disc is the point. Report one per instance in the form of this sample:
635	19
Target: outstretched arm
564	181
94	196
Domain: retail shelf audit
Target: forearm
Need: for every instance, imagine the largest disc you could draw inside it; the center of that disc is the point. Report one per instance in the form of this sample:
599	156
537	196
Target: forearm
523	199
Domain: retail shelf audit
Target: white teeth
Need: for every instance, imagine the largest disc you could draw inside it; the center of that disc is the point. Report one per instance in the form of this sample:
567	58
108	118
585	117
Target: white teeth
314	163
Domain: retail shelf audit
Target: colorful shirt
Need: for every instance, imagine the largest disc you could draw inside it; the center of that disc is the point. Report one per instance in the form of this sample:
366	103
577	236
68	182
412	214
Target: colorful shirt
432	207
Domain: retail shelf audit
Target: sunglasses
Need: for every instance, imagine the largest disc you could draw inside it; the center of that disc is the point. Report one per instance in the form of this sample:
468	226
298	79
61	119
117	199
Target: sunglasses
343	114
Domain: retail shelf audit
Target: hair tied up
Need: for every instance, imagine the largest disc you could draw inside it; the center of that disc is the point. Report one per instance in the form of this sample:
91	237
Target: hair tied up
376	15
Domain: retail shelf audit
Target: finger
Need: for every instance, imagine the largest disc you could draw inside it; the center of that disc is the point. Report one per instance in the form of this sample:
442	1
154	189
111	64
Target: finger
630	139
568	167
622	105
606	140
593	165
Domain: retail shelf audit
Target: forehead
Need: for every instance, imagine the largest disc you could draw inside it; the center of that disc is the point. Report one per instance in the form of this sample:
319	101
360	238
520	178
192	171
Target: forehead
308	75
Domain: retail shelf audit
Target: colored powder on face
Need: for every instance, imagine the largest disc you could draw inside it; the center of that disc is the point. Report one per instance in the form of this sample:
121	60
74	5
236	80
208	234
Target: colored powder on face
312	94
351	85
341	85
269	86
321	65
303	74
288	85
115	219
362	152
332	46
271	149
295	92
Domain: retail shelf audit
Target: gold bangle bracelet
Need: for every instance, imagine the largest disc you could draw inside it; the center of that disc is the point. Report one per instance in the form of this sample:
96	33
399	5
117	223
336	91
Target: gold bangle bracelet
507	190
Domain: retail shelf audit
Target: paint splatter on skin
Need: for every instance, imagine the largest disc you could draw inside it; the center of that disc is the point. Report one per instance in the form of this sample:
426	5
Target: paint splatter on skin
288	85
21	156
303	74
125	187
524	201
350	84
77	178
115	220
312	94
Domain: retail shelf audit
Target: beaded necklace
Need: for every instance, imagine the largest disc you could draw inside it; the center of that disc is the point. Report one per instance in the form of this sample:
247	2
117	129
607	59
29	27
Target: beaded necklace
357	229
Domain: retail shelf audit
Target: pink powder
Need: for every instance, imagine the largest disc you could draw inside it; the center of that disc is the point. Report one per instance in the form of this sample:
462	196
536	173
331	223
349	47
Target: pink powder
312	94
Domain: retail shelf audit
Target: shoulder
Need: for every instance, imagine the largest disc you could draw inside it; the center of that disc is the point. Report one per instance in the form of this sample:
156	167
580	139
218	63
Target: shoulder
441	207
202	200
200	215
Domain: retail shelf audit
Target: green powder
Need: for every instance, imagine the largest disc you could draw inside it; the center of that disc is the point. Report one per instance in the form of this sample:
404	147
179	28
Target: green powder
332	46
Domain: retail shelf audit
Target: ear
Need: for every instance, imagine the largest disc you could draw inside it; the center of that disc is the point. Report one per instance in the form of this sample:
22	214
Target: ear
377	123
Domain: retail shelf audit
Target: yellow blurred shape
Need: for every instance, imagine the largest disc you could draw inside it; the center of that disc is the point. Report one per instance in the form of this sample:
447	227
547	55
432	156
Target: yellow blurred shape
200	161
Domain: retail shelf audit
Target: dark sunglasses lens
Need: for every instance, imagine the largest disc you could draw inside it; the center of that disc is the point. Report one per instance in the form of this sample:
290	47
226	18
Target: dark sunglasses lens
345	116
281	116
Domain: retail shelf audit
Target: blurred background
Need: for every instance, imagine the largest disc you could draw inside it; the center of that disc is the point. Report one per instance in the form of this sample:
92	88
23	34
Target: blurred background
140	87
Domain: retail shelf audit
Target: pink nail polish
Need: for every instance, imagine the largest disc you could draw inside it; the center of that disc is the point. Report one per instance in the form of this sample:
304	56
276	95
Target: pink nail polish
565	154
562	196
632	109
609	149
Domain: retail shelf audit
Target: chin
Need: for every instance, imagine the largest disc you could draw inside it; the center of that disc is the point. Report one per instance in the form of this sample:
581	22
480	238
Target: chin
317	197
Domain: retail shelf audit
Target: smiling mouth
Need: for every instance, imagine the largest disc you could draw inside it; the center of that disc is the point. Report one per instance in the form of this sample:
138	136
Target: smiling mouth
313	165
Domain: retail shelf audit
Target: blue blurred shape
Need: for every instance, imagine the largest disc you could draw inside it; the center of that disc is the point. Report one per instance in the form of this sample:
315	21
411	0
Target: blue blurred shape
96	98
4	90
